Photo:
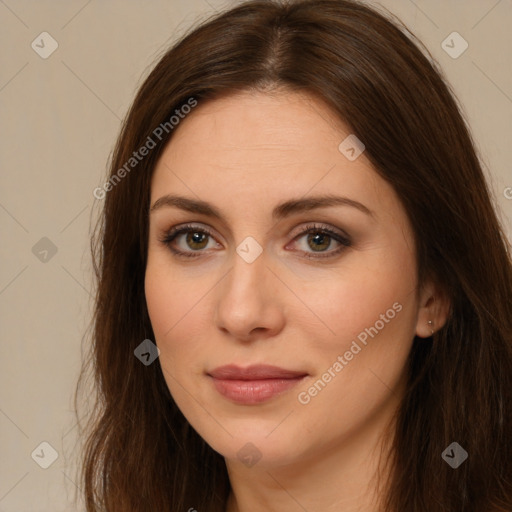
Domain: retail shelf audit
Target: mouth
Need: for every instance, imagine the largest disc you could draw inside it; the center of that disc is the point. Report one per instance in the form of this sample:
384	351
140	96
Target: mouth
253	384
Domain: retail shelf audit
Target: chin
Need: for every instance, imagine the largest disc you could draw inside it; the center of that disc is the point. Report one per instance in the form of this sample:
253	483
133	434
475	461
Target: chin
257	442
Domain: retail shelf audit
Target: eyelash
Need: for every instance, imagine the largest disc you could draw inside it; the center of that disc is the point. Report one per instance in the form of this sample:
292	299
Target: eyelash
173	233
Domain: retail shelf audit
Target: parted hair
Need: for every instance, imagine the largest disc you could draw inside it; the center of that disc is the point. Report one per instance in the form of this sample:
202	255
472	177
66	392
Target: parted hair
139	452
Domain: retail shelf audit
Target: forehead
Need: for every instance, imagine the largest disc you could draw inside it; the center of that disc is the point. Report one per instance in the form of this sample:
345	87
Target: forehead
258	122
261	148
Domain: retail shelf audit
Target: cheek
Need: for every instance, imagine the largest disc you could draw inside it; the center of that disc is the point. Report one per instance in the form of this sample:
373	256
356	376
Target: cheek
176	306
176	311
160	299
371	315
369	291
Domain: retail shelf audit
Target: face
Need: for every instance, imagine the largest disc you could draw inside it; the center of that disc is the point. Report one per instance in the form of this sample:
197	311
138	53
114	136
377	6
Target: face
283	319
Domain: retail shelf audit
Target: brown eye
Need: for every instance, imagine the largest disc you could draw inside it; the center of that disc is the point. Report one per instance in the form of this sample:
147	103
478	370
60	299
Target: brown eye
190	241
319	239
196	239
191	245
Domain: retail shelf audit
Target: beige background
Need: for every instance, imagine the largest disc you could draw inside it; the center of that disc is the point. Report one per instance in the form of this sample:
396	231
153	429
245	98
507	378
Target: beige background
60	118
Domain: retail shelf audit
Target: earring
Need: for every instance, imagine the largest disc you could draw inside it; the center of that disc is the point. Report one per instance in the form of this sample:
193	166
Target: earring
430	325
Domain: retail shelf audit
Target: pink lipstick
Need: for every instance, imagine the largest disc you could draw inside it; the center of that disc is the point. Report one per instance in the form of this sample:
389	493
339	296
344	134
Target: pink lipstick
253	384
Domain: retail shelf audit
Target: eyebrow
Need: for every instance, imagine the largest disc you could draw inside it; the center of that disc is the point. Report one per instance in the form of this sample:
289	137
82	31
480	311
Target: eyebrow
281	211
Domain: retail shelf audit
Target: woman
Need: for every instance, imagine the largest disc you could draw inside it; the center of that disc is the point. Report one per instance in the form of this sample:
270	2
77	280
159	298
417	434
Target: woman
304	293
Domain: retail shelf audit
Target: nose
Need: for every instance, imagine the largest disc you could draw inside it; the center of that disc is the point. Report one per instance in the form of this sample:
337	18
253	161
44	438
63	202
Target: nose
248	301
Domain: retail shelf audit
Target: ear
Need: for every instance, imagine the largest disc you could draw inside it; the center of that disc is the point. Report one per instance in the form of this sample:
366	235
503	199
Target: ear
433	310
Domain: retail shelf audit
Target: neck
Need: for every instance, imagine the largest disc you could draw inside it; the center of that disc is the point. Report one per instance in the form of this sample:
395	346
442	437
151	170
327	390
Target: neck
346	476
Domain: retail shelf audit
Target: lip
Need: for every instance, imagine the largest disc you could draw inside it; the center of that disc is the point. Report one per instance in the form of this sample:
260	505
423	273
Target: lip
253	384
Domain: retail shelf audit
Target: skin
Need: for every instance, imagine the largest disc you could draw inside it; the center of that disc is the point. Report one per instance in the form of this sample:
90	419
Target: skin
245	154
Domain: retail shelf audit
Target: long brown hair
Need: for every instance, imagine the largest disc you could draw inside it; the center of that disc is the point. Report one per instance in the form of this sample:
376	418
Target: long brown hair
140	453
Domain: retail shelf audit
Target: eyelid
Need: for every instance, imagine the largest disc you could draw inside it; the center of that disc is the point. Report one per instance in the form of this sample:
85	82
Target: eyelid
186	227
303	229
338	235
170	235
